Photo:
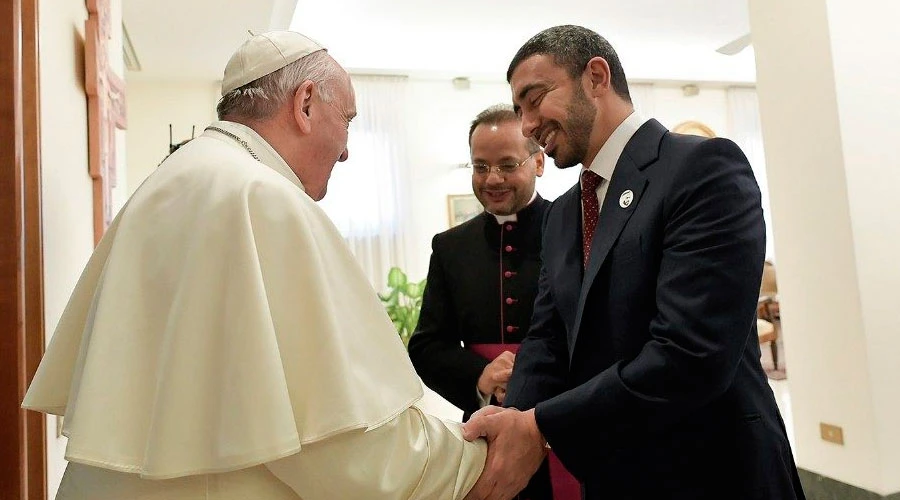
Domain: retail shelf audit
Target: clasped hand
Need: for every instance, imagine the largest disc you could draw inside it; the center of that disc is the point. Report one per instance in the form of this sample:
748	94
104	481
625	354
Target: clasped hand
496	375
516	449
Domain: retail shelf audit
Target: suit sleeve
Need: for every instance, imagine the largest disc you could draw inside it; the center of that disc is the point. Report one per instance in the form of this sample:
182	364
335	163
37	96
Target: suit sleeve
706	290
542	362
415	456
436	350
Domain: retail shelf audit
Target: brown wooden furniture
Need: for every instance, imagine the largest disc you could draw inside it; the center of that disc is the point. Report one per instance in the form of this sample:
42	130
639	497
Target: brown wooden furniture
766	332
22	434
768	311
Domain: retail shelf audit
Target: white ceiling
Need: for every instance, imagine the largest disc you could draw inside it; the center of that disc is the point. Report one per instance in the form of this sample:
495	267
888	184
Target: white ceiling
193	39
656	39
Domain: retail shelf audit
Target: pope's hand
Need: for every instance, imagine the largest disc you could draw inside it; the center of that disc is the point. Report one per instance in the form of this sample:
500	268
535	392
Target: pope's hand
516	449
496	375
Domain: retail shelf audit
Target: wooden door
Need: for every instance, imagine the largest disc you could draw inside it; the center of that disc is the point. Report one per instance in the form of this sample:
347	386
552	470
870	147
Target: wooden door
22	434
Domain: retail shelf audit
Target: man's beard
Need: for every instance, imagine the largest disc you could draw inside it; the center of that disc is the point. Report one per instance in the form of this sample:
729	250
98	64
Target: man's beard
580	114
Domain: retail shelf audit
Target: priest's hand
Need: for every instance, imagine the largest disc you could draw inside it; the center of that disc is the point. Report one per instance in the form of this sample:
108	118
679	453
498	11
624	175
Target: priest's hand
496	375
516	449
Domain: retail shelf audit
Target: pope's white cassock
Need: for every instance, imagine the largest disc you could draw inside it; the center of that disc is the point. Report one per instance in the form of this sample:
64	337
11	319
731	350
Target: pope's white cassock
223	344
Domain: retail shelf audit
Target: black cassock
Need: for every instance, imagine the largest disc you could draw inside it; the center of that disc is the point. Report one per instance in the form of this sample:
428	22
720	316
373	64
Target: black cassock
481	285
482	281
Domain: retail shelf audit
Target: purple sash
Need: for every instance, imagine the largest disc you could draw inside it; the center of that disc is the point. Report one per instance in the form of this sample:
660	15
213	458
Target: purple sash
565	486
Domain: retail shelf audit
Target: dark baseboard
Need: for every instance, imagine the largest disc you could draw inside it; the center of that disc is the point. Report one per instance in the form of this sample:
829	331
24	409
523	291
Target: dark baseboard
819	487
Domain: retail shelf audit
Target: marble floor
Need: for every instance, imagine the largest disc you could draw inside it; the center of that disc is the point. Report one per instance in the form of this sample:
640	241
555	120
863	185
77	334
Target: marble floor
783	398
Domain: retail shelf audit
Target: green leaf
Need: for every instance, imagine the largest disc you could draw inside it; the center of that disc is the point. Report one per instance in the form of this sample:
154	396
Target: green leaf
403	302
396	278
413	291
391	299
414	319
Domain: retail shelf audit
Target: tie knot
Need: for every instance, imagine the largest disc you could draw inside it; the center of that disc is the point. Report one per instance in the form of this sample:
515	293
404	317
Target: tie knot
590	180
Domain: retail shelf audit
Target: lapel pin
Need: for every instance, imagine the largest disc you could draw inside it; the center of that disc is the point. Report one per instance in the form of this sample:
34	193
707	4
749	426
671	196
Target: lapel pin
626	198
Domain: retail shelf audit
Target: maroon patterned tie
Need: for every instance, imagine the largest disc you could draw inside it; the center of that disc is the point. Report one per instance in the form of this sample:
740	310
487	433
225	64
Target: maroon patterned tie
591	207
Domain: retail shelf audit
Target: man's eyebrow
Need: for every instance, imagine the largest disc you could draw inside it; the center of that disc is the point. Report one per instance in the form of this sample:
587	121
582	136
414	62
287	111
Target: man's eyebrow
528	88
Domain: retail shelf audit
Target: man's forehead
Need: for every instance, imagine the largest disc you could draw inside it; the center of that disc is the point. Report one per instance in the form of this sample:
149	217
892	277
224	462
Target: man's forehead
488	137
351	104
347	95
352	98
537	71
497	128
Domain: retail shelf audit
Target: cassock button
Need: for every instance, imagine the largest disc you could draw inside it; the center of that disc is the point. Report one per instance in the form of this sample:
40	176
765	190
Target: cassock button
510	300
509	227
510	328
508	274
509	248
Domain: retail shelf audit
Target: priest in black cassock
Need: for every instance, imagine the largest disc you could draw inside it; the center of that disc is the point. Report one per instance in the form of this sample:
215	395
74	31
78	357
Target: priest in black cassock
483	276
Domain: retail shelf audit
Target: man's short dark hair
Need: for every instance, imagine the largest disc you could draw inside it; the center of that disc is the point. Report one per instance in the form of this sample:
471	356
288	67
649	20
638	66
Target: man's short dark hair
496	115
572	47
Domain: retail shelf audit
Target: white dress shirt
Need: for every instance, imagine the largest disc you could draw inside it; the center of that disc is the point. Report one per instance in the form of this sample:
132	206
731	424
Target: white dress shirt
604	164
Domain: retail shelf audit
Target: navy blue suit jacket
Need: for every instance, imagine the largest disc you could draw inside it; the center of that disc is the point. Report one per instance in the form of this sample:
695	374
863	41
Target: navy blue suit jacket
644	368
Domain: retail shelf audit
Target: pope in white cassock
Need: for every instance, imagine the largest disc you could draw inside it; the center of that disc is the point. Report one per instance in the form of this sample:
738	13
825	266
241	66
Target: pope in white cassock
222	343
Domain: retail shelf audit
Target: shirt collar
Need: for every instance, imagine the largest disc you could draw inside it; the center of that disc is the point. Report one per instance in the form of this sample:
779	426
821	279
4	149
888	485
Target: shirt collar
605	162
513	217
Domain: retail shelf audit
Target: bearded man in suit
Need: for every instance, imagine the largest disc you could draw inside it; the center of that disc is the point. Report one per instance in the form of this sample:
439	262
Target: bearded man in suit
641	368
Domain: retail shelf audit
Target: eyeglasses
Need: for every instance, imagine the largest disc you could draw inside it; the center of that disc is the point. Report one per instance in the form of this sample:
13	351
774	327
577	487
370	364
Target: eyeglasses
502	169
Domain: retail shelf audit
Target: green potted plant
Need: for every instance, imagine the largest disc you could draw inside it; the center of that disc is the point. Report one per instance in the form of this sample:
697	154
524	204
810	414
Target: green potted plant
403	300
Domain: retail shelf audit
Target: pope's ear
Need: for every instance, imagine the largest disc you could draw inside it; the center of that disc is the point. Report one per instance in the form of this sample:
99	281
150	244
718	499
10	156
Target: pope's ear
301	106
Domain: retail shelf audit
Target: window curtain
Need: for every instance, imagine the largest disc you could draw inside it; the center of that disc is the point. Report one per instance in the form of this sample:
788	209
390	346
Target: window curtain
367	194
745	130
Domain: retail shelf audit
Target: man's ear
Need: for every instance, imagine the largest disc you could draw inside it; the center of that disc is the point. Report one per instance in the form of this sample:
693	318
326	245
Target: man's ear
539	164
598	77
301	106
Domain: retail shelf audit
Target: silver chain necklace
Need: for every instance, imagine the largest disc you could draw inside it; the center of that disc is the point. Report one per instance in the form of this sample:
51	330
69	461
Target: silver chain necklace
236	138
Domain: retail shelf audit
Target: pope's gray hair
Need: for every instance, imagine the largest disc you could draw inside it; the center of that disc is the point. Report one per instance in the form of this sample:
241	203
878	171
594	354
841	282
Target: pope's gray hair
259	99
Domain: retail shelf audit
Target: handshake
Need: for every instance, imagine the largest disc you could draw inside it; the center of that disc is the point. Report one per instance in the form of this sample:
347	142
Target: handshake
516	447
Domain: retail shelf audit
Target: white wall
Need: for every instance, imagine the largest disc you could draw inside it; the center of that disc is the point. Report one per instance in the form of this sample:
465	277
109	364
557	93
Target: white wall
120	190
709	107
66	185
827	97
867	76
152	106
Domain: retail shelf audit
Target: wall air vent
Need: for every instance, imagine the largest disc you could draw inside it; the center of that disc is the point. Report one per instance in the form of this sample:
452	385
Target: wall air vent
128	53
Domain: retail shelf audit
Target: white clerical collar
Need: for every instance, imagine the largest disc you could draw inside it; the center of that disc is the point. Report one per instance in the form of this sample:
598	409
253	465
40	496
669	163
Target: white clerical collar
605	162
512	217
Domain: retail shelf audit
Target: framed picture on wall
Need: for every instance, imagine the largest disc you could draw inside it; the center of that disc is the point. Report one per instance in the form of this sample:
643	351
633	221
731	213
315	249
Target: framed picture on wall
462	207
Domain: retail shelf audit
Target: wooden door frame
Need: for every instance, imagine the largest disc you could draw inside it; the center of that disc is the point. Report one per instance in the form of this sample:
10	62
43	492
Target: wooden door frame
23	459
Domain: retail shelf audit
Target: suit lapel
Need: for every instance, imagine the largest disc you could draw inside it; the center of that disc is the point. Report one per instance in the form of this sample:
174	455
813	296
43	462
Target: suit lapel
568	241
641	151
